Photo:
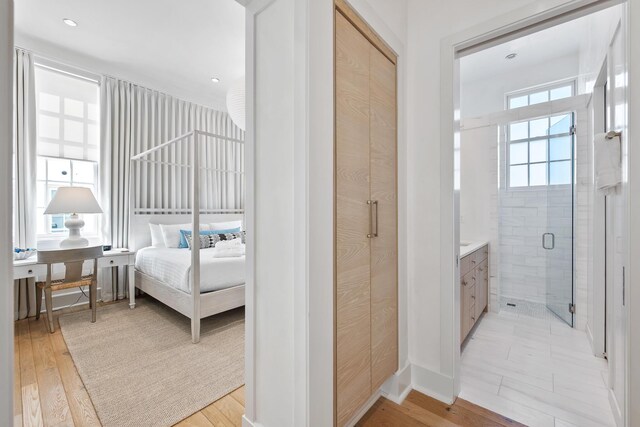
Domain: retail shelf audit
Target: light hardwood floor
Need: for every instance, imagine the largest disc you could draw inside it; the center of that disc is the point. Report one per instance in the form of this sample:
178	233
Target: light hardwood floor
48	390
420	410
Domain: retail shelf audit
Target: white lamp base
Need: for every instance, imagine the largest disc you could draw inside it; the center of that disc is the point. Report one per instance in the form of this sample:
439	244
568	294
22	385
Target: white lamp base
74	224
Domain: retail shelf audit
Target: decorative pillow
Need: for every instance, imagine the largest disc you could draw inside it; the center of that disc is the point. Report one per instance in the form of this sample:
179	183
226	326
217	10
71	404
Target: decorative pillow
225	225
209	240
157	239
171	233
183	240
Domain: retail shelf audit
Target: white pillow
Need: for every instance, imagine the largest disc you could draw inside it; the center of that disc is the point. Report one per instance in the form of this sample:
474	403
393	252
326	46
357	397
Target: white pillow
157	239
171	233
229	225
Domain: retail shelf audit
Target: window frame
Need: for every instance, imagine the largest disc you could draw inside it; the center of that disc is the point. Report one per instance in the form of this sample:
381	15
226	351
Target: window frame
48	183
547	162
541	88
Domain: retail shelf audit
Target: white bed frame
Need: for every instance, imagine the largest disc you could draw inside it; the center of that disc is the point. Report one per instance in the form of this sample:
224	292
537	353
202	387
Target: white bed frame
196	305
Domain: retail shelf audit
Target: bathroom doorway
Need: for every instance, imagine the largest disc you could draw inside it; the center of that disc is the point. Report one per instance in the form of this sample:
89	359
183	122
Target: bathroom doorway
527	192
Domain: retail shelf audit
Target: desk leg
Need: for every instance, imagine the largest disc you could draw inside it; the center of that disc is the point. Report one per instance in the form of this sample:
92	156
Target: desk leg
132	286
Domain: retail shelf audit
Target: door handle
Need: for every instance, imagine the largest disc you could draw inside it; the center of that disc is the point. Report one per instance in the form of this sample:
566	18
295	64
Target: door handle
375	209
544	241
370	204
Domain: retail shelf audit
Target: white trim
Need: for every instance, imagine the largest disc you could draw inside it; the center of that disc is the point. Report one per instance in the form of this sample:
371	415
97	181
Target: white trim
398	386
597	331
633	300
245	421
432	383
6	214
253	9
541	14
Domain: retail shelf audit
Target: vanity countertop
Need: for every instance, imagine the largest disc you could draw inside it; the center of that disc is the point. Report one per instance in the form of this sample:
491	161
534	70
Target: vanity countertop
467	247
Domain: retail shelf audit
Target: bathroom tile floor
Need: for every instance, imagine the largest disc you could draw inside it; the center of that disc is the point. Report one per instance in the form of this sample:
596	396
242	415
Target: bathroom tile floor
537	371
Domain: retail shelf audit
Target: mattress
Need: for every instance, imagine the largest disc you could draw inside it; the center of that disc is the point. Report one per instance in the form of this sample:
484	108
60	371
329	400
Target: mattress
173	267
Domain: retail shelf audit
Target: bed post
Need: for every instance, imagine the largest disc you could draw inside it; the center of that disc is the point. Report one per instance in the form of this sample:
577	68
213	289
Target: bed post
132	212
195	239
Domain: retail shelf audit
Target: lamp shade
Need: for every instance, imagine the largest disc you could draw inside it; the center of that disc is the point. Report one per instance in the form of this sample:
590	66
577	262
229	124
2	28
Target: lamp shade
236	103
73	200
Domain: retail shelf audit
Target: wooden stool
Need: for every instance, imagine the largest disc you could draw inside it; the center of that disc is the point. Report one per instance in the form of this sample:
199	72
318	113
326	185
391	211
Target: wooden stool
73	260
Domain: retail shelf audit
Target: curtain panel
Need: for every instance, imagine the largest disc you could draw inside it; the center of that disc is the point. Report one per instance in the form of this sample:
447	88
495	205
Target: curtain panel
135	119
25	161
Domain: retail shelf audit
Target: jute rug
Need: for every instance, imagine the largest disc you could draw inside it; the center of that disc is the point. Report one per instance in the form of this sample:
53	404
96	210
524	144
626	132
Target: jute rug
140	367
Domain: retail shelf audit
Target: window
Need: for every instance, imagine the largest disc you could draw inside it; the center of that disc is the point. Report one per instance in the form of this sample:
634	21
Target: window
540	95
68	142
540	151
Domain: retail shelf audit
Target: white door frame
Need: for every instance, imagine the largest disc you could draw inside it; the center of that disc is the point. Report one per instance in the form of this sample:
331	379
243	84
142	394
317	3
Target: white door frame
540	14
597	331
6	214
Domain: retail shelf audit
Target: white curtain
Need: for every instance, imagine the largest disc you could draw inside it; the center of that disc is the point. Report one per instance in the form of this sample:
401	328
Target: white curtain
134	119
24	149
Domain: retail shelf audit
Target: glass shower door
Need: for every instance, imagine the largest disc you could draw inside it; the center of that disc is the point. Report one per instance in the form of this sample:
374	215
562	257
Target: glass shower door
558	236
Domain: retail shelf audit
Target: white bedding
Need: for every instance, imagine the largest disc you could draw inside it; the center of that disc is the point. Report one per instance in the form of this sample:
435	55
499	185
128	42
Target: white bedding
173	267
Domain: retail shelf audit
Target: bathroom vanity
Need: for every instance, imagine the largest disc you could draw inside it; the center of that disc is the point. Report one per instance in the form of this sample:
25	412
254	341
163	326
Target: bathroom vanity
474	284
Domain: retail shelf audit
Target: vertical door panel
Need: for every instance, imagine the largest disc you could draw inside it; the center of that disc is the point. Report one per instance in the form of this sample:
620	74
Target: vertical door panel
617	230
558	239
353	299
384	246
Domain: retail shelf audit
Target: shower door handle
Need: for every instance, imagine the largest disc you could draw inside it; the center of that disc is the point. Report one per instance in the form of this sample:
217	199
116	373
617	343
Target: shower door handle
544	241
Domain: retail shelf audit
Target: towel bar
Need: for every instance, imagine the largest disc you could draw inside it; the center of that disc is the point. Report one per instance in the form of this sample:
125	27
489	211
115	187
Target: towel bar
612	134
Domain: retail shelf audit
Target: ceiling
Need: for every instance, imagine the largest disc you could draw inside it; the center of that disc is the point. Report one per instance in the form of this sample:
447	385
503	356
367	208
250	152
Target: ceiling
169	45
534	49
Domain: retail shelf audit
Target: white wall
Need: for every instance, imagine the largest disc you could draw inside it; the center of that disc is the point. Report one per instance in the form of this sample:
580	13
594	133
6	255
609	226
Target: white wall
478	183
430	351
595	44
484	96
6	166
274	215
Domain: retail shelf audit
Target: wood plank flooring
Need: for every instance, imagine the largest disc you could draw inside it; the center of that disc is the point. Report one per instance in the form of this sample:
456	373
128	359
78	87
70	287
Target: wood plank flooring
49	392
420	410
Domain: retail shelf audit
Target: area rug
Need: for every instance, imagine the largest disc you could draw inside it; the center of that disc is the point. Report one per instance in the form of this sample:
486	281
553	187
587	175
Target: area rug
140	367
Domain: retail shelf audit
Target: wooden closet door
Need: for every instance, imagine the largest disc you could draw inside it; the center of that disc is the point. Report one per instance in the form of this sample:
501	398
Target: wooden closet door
353	299
384	246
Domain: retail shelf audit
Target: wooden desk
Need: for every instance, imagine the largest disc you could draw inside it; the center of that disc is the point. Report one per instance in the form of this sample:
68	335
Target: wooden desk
23	269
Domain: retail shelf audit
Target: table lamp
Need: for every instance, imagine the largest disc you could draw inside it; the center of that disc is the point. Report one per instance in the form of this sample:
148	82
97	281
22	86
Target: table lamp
73	200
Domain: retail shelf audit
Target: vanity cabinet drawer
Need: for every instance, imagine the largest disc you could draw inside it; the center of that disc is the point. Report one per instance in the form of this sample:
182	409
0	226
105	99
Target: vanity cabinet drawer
474	288
466	264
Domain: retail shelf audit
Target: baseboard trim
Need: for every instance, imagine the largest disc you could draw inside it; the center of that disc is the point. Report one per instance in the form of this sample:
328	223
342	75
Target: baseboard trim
398	386
433	384
246	422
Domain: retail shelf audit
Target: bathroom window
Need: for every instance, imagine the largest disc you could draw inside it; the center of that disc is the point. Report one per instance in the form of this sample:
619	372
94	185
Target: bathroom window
540	151
541	94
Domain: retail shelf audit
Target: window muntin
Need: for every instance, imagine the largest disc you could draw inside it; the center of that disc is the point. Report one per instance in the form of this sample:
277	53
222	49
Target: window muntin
67	143
540	151
540	95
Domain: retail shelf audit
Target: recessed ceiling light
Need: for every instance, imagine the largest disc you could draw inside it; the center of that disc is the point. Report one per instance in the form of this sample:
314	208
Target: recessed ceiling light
215	79
70	22
511	56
